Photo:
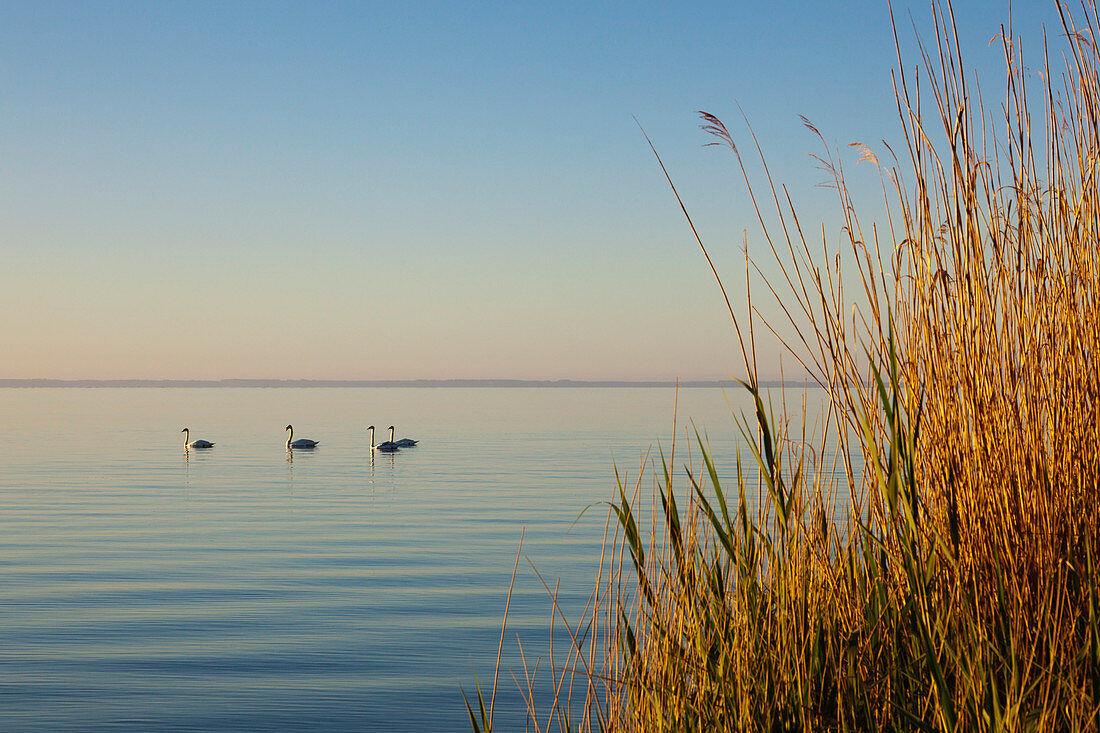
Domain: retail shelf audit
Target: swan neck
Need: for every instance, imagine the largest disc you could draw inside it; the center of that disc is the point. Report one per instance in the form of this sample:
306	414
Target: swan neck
186	436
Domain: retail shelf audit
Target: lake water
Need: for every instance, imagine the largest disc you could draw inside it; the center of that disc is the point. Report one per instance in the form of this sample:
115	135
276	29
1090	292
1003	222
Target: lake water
143	587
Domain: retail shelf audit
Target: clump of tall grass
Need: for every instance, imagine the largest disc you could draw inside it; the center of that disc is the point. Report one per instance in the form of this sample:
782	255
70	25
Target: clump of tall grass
958	589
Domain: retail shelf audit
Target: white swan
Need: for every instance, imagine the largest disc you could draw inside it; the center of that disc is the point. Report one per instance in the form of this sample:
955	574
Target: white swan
404	442
196	444
388	447
300	442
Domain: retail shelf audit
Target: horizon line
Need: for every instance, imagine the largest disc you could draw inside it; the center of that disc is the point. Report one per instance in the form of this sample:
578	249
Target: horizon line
381	383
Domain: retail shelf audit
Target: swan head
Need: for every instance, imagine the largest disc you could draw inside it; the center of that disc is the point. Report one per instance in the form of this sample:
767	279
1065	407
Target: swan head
289	427
371	427
185	430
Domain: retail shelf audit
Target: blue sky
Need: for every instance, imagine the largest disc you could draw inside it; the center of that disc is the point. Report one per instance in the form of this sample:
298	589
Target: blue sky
412	190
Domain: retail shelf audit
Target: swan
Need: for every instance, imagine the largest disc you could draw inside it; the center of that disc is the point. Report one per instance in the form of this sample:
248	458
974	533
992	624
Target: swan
388	447
197	444
404	442
300	442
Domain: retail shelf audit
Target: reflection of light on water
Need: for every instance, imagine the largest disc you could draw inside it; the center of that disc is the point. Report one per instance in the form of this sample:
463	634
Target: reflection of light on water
187	469
370	483
388	572
388	461
290	468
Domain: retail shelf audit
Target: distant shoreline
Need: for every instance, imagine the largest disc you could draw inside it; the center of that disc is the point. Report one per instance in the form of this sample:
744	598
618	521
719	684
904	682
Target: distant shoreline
374	383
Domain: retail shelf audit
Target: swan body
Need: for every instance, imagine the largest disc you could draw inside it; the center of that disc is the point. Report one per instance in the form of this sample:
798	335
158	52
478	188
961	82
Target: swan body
300	442
404	442
196	444
388	447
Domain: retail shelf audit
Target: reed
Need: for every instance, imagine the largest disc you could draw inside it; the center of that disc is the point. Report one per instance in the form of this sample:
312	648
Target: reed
928	560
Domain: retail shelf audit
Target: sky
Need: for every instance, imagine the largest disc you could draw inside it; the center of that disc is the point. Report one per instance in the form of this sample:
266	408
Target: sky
417	190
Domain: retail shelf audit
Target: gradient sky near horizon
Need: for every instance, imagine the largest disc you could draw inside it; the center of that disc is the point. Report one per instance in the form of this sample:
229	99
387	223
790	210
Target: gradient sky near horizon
415	190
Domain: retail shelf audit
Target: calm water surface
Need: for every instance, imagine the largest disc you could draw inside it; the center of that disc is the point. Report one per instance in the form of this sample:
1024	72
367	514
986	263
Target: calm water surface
242	588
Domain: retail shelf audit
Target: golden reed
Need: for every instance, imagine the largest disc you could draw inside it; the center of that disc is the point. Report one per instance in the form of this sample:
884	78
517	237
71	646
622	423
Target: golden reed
929	560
